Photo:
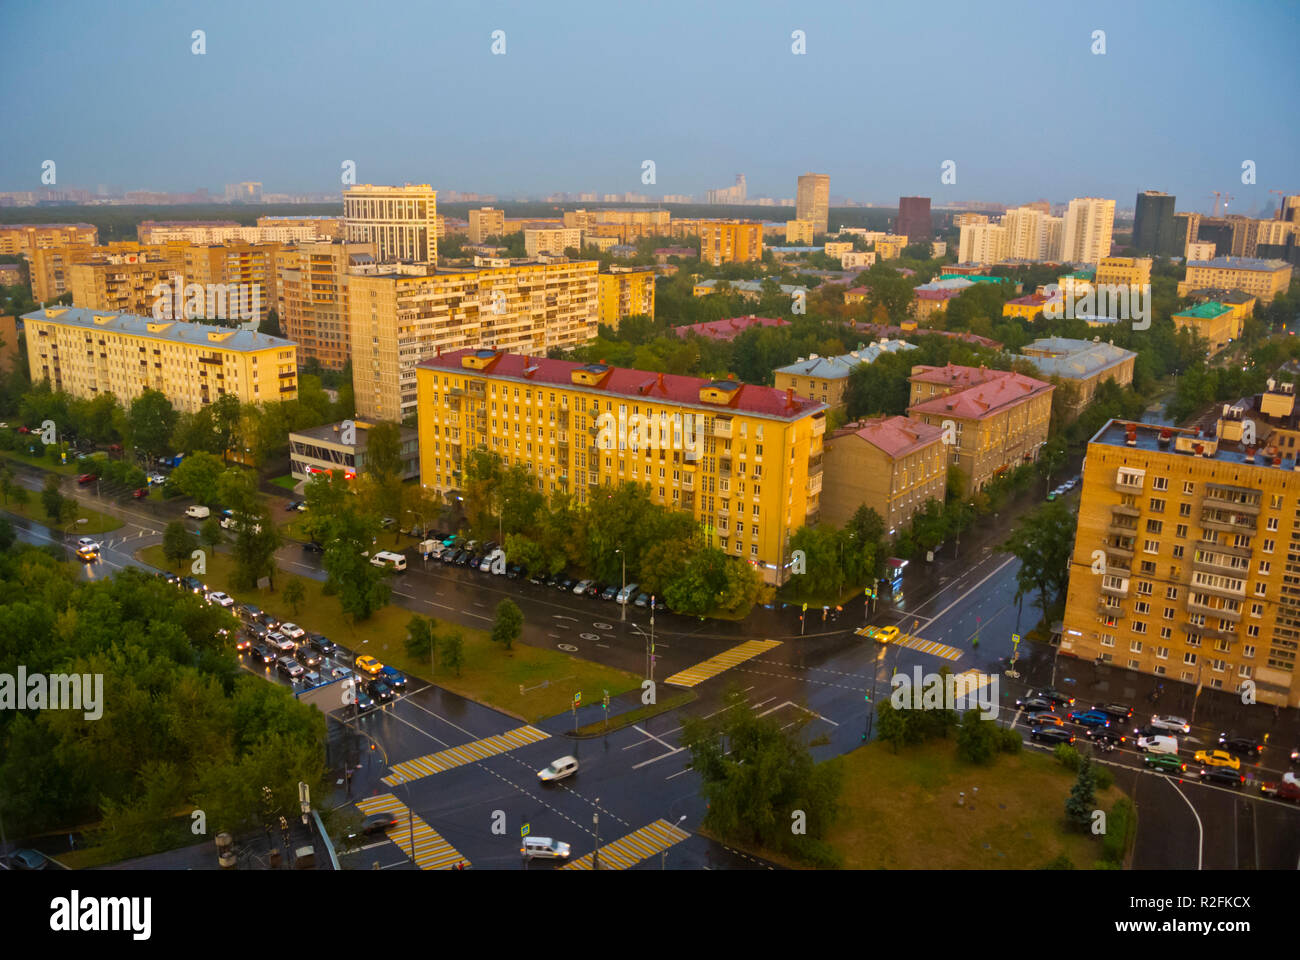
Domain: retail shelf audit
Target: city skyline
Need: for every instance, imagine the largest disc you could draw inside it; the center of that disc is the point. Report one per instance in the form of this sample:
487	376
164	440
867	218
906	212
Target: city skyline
695	149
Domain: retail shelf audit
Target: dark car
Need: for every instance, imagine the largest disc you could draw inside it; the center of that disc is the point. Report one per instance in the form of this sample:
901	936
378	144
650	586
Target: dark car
596	589
1223	776
659	603
293	505
1117	711
609	593
539	579
466	559
514	571
448	555
1035	703
289	667
258	631
27	860
642	600
322	644
1106	738
1051	735
1247	747
1295	756
263	654
364	703
193	585
169	577
381	691
566	584
1056	696
308	657
243	644
379	822
311	546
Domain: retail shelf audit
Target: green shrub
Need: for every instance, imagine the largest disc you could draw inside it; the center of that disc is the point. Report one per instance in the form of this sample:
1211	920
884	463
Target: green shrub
1009	741
1103	777
1068	757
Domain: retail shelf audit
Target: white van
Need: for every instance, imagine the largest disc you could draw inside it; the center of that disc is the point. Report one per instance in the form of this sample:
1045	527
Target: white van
197	512
1158	744
386	558
544	847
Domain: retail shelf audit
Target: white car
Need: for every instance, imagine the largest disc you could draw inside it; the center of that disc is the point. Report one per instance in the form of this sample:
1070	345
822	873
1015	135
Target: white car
583	586
157	479
89	543
229	522
292	630
1173	724
1158	744
282	643
221	599
558	770
544	847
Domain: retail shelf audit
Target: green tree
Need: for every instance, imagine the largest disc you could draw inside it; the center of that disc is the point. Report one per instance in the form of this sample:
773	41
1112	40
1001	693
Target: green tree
293	593
51	498
509	623
1042	543
256	540
178	543
977	738
198	476
6	482
210	533
384	450
452	648
7	534
421	641
150	422
20	495
1082	800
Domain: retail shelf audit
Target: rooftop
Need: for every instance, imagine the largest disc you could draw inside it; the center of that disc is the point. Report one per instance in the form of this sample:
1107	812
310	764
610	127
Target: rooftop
1186	442
981	392
635	384
1204	311
1240	263
175	331
330	431
838	367
1075	359
728	328
896	436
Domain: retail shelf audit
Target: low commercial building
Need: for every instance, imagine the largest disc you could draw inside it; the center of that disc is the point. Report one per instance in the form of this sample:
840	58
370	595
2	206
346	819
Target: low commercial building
322	449
88	353
995	419
827	378
749	289
1084	363
894	465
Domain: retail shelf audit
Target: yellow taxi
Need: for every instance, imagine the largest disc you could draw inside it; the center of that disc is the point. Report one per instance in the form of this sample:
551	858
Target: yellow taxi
886	634
1217	758
369	665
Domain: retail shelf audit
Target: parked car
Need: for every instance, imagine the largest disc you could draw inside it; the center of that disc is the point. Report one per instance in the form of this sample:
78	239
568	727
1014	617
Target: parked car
595	590
514	571
558	769
609	593
157	479
1217	758
485	565
86	478
139	493
311	546
289	667
1051	735
539	579
642	599
26	859
567	584
1247	747
583	586
1171	723
293	505
1164	763
1223	777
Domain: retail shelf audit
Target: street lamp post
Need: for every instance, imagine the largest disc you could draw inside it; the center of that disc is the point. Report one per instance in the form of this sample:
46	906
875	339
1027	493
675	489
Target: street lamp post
595	853
623	606
663	858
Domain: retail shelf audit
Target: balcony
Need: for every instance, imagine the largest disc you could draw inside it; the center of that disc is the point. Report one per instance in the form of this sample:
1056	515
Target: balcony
1120	549
1201	608
1117	591
1229	593
815	484
1109	611
724	492
818	426
1223	548
1124	510
721	428
1122	530
1227	520
724	534
1205	564
1244	499
724	512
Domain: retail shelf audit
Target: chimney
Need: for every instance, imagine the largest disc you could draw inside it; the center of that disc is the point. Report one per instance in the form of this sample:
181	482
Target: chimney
661	382
789	396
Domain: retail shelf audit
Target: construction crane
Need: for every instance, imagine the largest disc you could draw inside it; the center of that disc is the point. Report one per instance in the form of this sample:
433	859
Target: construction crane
1215	194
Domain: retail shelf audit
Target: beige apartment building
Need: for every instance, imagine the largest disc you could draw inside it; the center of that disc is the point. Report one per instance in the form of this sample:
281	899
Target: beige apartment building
813	200
486	222
744	461
402	222
800	232
121	283
268	230
92	352
626	293
1200	537
553	240
20	239
627	226
312	286
1086	235
995	419
1262	279
249	266
893	465
50	267
400	318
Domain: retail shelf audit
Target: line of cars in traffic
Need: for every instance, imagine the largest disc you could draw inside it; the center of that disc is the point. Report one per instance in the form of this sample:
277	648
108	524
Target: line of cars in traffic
298	655
1064	488
1156	742
454	550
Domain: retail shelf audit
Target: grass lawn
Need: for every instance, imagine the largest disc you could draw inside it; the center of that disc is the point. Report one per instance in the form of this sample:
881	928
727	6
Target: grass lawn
489	675
34	510
638	715
287	481
68	469
900	811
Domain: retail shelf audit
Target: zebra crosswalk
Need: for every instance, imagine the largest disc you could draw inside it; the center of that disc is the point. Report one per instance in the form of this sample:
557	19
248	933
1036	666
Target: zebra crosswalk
431	851
635	847
723	661
928	646
432	763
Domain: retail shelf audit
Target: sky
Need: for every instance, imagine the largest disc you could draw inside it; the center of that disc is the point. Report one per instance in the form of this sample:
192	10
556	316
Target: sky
1011	93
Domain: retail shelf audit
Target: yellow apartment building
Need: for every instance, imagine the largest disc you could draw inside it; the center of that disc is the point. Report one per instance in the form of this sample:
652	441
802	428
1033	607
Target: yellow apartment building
745	461
627	226
730	241
1124	271
890	248
252	266
486	222
626	295
120	284
800	233
995	420
398	319
1263	279
1186	553
891	464
1215	322
91	352
312	284
20	239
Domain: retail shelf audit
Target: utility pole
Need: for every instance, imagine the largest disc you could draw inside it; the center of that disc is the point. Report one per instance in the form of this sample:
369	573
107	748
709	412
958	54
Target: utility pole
595	853
623	605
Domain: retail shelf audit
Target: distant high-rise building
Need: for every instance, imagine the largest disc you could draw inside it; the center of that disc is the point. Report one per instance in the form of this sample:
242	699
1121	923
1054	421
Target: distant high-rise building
1089	222
1290	209
1153	225
732	194
1030	234
813	199
402	222
914	219
250	191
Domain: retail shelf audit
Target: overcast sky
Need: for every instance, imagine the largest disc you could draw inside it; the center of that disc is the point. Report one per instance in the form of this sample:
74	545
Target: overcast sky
585	92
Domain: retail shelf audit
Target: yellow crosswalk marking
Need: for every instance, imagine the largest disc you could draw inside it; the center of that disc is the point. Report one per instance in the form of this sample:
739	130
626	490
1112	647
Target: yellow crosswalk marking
432	852
929	646
723	661
635	847
432	763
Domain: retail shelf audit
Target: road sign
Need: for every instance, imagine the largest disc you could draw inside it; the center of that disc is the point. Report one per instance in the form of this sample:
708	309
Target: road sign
1015	638
523	831
805	607
577	698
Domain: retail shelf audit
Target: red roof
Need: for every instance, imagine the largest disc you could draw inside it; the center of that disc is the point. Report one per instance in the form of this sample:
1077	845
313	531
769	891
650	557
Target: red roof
896	436
729	328
634	384
981	392
1034	299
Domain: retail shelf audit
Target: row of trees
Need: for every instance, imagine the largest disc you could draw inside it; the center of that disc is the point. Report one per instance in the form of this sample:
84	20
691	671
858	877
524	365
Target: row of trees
181	727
